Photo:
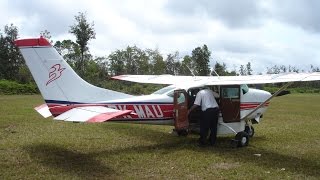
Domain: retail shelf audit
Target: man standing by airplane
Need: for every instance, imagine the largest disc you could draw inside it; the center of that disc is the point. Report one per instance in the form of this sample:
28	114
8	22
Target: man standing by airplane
209	118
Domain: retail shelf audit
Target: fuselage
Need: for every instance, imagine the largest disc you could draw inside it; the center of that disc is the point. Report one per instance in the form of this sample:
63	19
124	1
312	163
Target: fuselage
158	108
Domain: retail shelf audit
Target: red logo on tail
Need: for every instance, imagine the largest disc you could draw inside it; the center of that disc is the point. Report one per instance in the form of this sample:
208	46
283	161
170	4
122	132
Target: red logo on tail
55	73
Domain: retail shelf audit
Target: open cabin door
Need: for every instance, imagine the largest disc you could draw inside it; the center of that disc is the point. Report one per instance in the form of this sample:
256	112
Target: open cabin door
230	103
180	116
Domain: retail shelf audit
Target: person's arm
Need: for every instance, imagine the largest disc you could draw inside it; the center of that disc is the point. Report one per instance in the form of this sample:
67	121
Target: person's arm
196	104
192	108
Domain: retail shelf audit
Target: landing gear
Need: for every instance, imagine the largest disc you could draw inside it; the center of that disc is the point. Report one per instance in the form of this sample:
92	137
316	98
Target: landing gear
241	139
249	130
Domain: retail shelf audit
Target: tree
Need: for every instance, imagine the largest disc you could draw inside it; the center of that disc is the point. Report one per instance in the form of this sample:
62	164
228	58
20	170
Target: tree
314	69
143	62
46	34
242	70
221	70
69	50
171	65
103	67
177	67
136	61
283	69
273	70
10	57
83	32
187	66
158	66
96	71
130	60
293	69
249	70
201	58
116	63
246	70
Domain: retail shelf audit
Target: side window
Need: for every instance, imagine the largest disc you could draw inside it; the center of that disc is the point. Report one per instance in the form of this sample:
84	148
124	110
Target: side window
230	92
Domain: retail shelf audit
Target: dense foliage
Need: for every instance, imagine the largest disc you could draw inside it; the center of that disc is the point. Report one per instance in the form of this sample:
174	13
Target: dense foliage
12	87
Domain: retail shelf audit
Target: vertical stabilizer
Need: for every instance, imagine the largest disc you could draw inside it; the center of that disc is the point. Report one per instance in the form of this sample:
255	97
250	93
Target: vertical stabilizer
56	80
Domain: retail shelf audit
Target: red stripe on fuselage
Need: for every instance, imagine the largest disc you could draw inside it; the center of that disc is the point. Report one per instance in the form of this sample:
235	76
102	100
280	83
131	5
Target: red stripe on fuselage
251	105
140	111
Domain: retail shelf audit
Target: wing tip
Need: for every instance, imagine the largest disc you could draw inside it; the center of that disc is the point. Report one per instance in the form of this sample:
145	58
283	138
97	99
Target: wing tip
119	77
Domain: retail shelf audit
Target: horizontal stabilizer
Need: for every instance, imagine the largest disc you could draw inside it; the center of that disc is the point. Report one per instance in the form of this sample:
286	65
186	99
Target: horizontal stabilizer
91	114
43	110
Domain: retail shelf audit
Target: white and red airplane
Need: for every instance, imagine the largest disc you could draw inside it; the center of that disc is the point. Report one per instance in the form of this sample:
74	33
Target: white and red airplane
69	98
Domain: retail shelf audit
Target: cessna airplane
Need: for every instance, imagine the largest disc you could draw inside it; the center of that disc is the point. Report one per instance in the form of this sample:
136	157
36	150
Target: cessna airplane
70	98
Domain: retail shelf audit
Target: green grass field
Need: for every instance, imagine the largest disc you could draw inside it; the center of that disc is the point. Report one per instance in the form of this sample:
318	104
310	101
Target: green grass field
287	142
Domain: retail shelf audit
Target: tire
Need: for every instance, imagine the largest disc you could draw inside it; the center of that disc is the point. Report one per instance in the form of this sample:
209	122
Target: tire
242	139
249	131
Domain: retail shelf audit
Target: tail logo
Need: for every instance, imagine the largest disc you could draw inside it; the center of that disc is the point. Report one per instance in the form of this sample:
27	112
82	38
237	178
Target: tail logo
55	73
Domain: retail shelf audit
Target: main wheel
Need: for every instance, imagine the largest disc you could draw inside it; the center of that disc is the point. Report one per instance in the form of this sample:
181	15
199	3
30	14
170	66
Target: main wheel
249	130
242	139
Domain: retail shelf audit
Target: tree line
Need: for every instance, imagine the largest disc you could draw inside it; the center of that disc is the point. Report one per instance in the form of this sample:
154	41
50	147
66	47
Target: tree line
130	60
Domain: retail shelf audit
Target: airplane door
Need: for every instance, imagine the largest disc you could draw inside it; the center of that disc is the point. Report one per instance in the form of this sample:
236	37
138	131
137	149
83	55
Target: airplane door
181	121
230	103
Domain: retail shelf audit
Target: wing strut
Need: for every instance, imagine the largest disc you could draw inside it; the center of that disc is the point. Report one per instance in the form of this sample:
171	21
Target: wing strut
190	71
263	103
215	73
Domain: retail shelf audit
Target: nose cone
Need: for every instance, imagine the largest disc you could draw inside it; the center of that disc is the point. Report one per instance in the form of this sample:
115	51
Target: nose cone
265	94
260	95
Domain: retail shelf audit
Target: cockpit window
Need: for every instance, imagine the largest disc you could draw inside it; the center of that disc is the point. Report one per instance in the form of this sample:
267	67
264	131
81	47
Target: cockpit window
164	90
244	88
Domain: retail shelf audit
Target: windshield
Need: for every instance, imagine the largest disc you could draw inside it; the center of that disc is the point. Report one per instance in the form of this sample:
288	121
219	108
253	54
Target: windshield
244	88
165	90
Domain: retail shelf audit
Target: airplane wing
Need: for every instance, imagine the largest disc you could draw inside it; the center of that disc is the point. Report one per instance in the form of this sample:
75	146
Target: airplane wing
165	79
221	80
91	114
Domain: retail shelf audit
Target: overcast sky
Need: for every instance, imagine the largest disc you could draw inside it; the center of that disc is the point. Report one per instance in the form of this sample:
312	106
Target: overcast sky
265	33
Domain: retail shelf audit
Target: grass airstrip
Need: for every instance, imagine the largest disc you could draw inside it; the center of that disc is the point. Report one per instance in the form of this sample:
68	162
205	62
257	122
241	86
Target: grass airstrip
286	145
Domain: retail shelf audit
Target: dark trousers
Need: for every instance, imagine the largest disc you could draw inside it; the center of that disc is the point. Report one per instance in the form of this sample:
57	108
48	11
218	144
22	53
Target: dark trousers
209	120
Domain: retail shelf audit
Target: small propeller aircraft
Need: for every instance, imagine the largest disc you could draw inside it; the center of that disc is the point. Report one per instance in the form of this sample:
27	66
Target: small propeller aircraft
69	98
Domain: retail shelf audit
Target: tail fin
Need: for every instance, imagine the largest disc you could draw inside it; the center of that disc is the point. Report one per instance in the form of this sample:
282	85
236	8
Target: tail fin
56	80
